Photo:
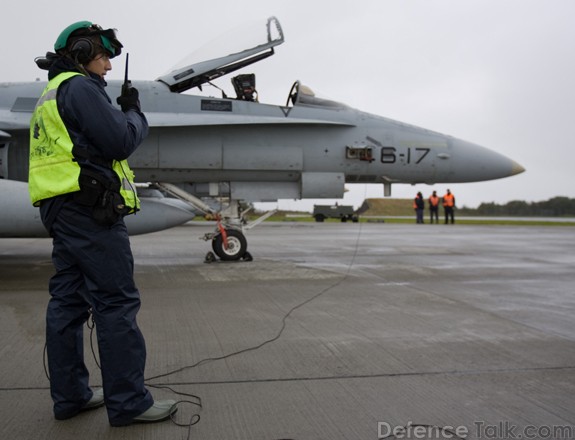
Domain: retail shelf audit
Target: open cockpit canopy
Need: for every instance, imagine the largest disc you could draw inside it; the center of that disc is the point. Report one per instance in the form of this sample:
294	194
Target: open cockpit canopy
235	50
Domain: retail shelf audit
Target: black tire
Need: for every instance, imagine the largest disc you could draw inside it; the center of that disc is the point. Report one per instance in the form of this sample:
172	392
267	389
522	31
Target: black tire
237	245
319	218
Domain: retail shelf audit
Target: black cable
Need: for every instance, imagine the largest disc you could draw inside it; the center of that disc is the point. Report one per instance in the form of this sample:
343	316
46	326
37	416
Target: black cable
194	419
45	361
92	327
256	347
283	325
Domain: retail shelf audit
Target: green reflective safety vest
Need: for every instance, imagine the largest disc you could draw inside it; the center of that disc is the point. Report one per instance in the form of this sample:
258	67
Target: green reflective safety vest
53	171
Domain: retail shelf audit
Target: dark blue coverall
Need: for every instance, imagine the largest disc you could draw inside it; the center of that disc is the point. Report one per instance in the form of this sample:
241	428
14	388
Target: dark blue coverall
94	266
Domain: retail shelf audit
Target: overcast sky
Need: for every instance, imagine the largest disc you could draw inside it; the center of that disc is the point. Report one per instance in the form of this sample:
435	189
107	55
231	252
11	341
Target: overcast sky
499	73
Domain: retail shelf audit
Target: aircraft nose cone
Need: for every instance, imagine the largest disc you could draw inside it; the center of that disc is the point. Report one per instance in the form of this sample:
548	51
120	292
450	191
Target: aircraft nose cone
473	163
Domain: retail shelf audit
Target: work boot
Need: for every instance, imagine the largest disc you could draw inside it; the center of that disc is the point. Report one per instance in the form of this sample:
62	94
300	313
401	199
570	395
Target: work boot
159	411
96	401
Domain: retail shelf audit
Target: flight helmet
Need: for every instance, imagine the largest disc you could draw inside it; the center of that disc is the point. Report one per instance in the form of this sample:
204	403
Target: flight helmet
78	41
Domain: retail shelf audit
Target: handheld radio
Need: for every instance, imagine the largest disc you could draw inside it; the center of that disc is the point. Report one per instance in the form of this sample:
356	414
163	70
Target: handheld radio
127	83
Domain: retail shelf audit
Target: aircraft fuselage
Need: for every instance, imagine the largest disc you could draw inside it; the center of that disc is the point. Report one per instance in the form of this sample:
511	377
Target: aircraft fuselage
264	152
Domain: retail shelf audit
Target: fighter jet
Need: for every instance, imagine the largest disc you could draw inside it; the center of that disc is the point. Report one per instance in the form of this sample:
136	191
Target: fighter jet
220	154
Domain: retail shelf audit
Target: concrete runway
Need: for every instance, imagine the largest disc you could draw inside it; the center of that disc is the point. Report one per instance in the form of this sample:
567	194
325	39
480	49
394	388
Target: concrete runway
371	328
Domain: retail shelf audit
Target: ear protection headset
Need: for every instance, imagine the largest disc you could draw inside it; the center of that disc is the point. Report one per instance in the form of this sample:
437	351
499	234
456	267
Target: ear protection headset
82	50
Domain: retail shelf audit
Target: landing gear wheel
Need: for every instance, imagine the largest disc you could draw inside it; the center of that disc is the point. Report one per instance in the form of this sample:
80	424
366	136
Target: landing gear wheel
237	245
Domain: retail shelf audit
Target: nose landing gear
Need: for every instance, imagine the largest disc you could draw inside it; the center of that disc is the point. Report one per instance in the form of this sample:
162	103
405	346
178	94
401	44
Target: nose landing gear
228	240
229	245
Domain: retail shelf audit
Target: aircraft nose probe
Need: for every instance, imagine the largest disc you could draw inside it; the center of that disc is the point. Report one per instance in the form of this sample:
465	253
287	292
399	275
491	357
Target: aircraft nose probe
516	169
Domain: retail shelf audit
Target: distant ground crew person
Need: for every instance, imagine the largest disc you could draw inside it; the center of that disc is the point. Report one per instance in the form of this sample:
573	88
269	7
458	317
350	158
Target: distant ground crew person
80	180
418	206
434	207
448	207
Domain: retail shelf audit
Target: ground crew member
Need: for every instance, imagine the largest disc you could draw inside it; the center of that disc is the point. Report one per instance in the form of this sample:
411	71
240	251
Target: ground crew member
83	185
449	206
434	207
418	206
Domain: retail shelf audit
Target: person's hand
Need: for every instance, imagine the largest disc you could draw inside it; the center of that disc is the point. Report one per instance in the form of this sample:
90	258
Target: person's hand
129	99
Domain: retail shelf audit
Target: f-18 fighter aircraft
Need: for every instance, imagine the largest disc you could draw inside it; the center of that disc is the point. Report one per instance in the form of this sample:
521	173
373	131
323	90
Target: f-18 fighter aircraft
220	154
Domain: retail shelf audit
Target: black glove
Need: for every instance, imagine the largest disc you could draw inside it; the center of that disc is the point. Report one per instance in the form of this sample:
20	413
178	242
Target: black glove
129	99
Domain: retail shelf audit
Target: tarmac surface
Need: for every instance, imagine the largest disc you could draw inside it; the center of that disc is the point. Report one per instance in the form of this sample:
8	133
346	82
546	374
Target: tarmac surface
333	331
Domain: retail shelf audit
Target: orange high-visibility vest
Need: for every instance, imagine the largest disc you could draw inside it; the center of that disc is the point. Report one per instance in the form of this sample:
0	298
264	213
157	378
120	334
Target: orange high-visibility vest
448	200
434	201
